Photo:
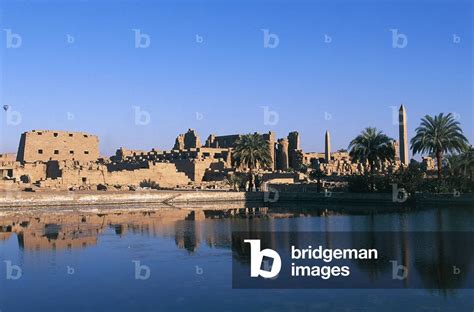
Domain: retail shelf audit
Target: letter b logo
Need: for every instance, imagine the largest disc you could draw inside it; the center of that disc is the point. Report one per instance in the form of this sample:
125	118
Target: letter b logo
142	117
399	40
256	259
399	195
142	40
270	118
396	269
270	40
13	272
13	40
142	272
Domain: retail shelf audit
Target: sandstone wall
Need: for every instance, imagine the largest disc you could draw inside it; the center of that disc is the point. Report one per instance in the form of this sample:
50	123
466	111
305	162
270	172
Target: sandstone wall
164	174
194	169
44	145
35	171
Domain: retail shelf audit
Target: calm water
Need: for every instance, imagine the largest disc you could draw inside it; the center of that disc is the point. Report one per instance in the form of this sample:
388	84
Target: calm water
85	261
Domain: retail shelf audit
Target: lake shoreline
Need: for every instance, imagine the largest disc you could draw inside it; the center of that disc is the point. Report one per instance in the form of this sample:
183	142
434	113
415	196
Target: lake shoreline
17	199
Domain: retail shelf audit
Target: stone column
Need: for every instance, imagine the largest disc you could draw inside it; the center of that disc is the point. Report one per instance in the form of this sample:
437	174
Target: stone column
283	154
271	147
293	146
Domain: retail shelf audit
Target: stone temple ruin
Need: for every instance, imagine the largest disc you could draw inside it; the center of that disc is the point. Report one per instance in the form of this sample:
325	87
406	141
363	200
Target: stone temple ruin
70	160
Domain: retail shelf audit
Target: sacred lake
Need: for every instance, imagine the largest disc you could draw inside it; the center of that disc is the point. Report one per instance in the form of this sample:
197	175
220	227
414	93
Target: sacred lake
176	258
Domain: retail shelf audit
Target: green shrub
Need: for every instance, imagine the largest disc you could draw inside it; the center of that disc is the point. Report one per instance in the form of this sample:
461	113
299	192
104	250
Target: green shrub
236	181
358	183
149	183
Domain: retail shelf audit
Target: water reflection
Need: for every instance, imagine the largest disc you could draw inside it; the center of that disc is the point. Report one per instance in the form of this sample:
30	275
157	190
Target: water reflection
190	228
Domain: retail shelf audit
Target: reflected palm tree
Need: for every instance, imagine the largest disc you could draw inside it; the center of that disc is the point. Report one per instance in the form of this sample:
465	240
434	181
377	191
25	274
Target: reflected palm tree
387	251
437	253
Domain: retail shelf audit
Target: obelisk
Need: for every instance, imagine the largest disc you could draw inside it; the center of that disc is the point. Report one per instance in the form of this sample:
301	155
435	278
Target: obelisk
403	135
327	147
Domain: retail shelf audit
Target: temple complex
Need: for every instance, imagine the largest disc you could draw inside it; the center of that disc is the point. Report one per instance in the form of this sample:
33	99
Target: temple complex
71	160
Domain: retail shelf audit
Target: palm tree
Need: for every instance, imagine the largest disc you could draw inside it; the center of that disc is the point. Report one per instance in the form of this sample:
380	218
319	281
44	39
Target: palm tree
452	164
235	181
317	174
252	151
371	146
461	164
439	135
467	162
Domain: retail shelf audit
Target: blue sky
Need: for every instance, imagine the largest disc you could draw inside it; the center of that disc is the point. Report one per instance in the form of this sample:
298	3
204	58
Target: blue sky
220	85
